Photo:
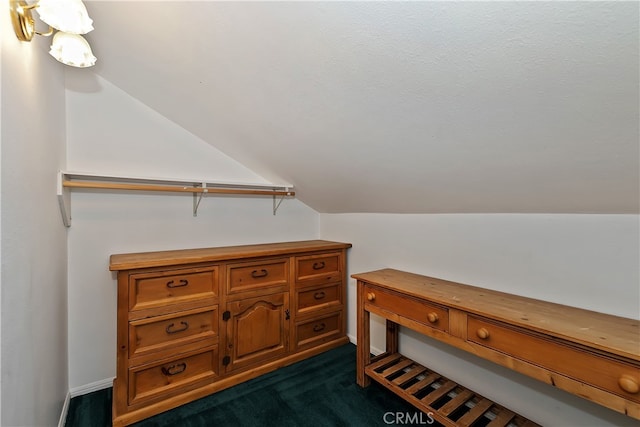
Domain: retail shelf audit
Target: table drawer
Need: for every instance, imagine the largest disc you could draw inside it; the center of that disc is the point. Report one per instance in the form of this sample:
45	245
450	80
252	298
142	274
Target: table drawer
165	332
257	275
423	312
572	361
320	268
160	289
172	377
318	330
318	298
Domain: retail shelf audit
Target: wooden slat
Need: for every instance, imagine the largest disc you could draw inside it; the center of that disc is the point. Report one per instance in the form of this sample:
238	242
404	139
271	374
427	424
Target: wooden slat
397	367
384	361
396	362
414	372
425	382
502	418
378	357
456	402
438	393
474	413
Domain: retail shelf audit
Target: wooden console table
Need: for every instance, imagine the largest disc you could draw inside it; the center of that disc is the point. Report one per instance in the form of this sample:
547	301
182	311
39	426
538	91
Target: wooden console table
593	355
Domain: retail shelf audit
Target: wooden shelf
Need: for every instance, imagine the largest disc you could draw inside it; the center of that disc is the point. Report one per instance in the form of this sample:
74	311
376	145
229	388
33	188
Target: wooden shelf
444	400
199	188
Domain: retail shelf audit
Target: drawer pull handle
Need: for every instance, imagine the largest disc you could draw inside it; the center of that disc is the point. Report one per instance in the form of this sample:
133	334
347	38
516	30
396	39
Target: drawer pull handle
319	327
181	283
318	265
629	384
432	317
257	274
482	333
319	295
170	329
371	296
174	369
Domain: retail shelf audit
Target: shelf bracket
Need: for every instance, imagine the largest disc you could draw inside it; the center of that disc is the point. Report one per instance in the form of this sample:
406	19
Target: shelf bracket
277	204
64	200
197	198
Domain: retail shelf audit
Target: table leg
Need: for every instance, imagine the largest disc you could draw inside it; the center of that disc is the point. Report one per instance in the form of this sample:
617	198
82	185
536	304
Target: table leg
392	337
363	337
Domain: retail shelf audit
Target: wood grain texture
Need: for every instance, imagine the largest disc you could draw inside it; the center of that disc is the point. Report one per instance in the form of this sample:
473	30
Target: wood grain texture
593	355
614	334
191	322
191	256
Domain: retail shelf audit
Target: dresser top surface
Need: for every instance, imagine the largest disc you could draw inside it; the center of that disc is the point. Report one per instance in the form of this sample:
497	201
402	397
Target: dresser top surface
613	334
137	260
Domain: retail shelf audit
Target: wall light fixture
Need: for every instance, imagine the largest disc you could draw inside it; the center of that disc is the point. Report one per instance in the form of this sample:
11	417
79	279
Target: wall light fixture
68	17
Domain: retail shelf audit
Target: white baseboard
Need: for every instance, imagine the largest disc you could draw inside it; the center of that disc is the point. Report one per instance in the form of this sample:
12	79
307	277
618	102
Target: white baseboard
374	351
88	388
65	410
79	391
352	339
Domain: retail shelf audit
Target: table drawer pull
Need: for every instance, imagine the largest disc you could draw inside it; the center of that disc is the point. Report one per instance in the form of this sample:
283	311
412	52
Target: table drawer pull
483	333
176	369
170	329
318	265
257	274
628	384
433	317
371	296
319	327
181	283
319	295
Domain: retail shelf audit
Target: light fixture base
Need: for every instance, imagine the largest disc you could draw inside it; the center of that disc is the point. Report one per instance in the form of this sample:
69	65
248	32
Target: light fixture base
22	20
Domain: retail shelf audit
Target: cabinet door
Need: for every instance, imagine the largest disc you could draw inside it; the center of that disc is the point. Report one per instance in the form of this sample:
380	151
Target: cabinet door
257	330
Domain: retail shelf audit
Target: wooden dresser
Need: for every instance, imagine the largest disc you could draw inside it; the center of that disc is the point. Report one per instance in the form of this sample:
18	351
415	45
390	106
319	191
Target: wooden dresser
593	355
193	322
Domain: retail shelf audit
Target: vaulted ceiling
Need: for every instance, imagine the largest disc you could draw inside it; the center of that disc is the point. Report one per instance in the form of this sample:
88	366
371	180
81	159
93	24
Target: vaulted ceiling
397	106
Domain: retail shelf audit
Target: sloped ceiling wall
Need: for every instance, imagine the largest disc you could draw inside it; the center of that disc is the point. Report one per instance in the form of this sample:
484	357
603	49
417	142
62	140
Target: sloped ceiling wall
414	107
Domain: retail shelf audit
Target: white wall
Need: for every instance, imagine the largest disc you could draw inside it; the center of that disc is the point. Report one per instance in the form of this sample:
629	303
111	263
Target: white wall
34	247
110	132
589	261
1	37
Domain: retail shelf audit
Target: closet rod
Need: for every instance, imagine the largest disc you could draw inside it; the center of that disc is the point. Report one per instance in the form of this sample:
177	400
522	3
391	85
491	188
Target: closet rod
69	180
173	188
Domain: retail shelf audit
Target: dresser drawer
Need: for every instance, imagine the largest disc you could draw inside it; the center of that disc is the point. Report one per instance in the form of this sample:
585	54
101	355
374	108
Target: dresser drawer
162	333
262	274
318	330
318	298
423	312
172	377
572	361
160	289
321	268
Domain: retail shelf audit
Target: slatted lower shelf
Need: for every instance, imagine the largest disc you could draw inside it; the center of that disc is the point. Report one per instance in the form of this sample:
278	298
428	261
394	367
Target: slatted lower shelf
446	401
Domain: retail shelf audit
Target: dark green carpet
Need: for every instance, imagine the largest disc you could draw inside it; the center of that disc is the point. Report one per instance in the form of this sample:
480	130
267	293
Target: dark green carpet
320	391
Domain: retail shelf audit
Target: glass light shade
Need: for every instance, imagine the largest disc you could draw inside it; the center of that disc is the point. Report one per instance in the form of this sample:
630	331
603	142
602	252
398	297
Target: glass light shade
72	49
69	16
